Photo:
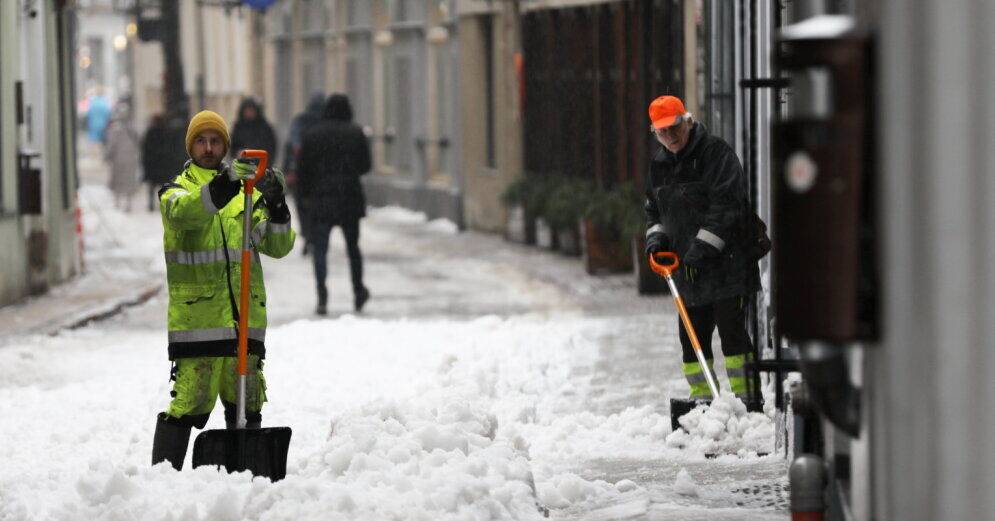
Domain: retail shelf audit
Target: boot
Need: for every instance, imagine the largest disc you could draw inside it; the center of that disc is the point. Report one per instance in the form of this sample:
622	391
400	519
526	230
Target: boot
362	295
322	301
170	441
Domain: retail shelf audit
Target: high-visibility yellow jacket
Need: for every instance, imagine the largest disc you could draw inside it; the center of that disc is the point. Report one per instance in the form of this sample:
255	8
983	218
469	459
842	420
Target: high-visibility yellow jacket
203	252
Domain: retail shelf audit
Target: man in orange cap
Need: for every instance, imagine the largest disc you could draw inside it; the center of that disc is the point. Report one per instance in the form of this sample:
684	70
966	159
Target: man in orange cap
697	204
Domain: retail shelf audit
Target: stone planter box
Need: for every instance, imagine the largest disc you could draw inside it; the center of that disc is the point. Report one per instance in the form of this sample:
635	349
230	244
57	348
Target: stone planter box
520	227
604	252
545	235
569	241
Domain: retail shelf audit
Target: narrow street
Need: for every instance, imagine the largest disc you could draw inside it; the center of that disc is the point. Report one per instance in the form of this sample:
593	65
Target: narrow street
483	377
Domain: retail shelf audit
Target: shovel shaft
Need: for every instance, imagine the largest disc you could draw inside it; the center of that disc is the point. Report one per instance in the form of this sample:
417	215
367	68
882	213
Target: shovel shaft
698	353
246	272
666	271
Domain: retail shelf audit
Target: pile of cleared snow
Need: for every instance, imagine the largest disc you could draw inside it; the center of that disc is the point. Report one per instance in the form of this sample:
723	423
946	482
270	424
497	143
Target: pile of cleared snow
725	427
402	215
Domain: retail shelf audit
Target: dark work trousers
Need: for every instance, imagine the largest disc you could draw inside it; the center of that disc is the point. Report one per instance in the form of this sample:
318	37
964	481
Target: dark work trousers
730	317
320	232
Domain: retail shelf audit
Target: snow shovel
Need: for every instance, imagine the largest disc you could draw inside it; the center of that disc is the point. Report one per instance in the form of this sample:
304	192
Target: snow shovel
263	452
680	407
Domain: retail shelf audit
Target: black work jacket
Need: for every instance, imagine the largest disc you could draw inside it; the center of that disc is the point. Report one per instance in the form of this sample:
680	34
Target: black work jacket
702	192
334	154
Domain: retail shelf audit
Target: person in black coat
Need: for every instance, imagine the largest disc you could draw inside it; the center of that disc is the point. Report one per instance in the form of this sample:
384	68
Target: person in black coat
252	131
163	152
697	205
334	154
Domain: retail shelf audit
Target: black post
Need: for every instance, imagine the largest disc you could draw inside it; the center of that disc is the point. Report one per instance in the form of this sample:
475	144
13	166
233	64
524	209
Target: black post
177	102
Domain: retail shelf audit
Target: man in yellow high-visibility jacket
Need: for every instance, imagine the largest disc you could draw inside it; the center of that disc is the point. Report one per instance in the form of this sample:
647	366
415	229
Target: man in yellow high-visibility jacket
202	223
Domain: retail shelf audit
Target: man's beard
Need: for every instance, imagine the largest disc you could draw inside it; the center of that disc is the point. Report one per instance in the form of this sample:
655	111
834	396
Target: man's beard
211	163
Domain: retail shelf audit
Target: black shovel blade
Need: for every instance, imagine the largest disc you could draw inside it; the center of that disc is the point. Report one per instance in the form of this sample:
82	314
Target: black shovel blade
263	452
681	406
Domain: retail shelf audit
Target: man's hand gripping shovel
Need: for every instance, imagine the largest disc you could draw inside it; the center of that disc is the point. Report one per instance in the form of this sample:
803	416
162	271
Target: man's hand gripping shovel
664	264
261	451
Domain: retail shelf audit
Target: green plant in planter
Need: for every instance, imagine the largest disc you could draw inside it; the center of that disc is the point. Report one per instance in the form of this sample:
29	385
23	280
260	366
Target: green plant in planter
618	211
567	202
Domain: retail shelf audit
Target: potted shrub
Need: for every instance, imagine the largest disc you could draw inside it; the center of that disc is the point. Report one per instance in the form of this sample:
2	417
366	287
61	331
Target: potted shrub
611	220
567	202
539	195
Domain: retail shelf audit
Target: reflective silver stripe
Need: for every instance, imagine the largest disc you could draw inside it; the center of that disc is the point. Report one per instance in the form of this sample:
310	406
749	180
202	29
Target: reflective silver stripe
202	257
205	197
173	197
736	373
217	333
259	232
711	238
655	228
279	228
696	378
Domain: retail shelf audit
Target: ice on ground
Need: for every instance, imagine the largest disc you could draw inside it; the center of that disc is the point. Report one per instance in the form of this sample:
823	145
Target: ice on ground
724	427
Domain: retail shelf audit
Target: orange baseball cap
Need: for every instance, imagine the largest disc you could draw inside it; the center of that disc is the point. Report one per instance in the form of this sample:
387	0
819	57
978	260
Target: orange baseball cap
665	110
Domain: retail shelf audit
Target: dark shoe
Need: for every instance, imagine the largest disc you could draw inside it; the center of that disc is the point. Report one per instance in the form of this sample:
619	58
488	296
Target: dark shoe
361	297
322	308
679	407
170	441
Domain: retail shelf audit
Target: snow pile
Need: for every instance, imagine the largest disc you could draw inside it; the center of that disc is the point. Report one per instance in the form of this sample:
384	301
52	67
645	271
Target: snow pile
443	461
404	216
725	427
636	432
685	485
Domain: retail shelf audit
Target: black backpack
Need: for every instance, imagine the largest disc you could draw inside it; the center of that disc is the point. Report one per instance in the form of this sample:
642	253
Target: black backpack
756	242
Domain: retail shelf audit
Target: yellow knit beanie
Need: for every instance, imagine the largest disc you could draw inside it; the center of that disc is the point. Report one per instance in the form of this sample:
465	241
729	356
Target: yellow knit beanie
207	120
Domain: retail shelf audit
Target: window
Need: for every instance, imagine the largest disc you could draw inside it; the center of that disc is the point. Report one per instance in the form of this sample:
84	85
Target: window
315	15
358	14
407	11
313	67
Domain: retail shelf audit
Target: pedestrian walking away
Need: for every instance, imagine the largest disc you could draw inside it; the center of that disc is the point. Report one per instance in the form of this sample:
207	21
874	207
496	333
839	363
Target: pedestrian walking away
252	131
202	235
162	153
697	206
121	152
292	156
334	154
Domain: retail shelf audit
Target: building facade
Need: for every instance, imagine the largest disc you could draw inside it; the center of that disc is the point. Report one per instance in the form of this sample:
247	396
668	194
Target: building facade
37	148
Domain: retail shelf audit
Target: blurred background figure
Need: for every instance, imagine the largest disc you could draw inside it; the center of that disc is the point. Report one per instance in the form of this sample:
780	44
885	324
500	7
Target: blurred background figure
98	115
159	153
121	153
252	131
299	126
334	154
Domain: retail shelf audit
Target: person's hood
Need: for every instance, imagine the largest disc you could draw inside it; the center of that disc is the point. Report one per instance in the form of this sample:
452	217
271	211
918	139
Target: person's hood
316	104
250	102
338	108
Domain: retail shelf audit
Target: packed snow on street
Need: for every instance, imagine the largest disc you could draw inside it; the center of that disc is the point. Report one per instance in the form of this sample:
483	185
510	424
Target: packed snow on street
393	417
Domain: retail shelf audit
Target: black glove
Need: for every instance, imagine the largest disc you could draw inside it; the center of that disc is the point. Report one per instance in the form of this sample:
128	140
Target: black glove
701	255
657	242
222	189
278	211
273	185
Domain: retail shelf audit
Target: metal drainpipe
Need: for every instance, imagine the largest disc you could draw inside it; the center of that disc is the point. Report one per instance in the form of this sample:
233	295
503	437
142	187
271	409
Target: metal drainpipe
807	477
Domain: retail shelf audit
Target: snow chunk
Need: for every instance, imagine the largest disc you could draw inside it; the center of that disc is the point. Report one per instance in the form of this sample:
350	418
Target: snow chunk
685	484
724	427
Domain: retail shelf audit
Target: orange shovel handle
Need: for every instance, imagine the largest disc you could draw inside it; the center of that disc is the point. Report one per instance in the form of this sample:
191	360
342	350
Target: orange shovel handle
667	269
243	301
